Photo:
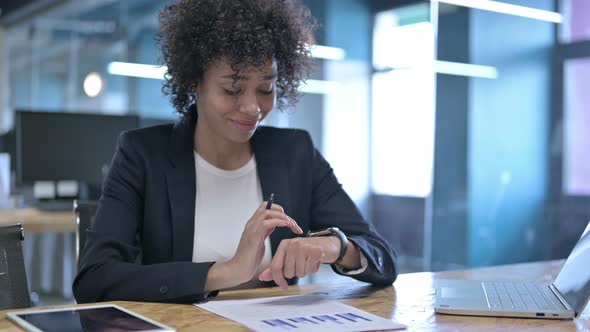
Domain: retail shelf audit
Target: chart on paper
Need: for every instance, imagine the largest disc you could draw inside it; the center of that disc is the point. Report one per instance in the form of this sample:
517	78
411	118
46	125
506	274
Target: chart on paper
298	313
319	321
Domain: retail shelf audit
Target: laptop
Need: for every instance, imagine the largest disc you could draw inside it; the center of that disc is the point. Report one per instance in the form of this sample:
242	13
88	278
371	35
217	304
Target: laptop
565	298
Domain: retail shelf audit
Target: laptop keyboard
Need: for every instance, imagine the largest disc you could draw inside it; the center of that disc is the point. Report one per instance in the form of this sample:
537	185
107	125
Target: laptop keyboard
520	296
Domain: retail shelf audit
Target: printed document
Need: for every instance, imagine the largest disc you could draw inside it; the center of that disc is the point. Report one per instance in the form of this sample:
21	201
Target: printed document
298	313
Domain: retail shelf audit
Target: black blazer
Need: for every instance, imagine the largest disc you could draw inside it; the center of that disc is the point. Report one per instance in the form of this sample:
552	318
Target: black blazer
148	203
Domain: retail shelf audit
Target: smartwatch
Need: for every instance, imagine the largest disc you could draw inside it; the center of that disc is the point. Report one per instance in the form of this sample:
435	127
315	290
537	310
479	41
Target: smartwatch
333	231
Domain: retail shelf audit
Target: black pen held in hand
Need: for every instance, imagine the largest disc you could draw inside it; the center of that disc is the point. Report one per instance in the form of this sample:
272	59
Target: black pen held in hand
269	202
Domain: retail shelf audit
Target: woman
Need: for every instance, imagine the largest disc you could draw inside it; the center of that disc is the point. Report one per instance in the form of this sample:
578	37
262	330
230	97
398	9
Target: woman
190	197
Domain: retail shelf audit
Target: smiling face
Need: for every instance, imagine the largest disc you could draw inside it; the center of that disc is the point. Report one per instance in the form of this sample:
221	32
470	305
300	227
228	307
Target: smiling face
230	104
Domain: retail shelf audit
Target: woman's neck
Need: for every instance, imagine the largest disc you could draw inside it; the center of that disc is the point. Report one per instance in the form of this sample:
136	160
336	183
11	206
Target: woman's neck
220	152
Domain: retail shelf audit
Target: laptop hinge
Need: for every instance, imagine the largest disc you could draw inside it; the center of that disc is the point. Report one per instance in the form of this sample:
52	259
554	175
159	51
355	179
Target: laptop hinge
560	297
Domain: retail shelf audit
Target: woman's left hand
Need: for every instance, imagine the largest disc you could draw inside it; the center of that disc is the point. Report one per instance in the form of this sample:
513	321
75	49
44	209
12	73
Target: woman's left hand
300	257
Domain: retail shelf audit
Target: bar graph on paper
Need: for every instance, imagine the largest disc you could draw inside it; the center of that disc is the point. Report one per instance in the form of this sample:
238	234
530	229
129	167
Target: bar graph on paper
298	313
304	323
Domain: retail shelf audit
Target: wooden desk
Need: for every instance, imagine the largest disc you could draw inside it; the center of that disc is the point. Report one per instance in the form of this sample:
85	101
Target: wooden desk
37	221
409	302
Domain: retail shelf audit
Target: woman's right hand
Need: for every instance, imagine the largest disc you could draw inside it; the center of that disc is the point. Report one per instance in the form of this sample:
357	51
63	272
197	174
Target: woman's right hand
251	247
242	267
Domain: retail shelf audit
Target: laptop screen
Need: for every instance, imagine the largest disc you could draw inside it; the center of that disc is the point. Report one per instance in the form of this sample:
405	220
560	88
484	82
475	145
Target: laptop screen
573	280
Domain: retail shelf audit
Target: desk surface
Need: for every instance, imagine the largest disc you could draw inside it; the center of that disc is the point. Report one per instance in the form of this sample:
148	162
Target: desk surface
35	221
409	302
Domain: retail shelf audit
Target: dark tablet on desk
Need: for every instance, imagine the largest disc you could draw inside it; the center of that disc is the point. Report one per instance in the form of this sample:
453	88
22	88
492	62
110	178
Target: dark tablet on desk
108	317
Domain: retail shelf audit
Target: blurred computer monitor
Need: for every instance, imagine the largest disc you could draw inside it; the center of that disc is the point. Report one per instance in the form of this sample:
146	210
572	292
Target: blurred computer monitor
8	145
55	146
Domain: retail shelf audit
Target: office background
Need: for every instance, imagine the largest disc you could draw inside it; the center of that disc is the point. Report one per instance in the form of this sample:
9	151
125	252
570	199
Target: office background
461	133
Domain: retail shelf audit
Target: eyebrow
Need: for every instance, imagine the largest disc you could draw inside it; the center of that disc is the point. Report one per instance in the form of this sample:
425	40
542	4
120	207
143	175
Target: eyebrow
245	78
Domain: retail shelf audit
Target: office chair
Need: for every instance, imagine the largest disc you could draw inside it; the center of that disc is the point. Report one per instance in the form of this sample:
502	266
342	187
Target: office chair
85	213
14	290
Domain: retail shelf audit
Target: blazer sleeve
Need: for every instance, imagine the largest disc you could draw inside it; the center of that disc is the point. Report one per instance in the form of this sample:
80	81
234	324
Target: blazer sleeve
332	207
107	268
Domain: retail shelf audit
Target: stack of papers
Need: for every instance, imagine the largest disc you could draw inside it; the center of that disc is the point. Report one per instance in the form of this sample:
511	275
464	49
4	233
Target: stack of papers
299	312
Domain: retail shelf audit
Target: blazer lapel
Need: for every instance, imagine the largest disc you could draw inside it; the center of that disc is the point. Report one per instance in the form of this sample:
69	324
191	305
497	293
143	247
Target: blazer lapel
273	176
181	182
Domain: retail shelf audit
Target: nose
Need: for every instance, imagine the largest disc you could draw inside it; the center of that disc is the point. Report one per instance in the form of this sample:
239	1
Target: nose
249	105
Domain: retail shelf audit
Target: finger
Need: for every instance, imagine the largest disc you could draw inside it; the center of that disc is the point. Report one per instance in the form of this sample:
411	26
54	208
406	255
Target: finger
287	222
279	208
300	264
261	208
296	224
291	254
266	275
267	225
276	266
257	215
274	207
276	211
266	228
277	214
274	214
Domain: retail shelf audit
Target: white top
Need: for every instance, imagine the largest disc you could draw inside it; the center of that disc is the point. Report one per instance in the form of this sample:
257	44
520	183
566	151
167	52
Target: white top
225	202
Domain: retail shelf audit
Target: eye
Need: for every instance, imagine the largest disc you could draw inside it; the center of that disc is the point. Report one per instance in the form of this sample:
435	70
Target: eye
232	92
267	92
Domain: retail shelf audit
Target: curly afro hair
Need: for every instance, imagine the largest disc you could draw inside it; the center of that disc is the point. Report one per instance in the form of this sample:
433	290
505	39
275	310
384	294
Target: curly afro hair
195	33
